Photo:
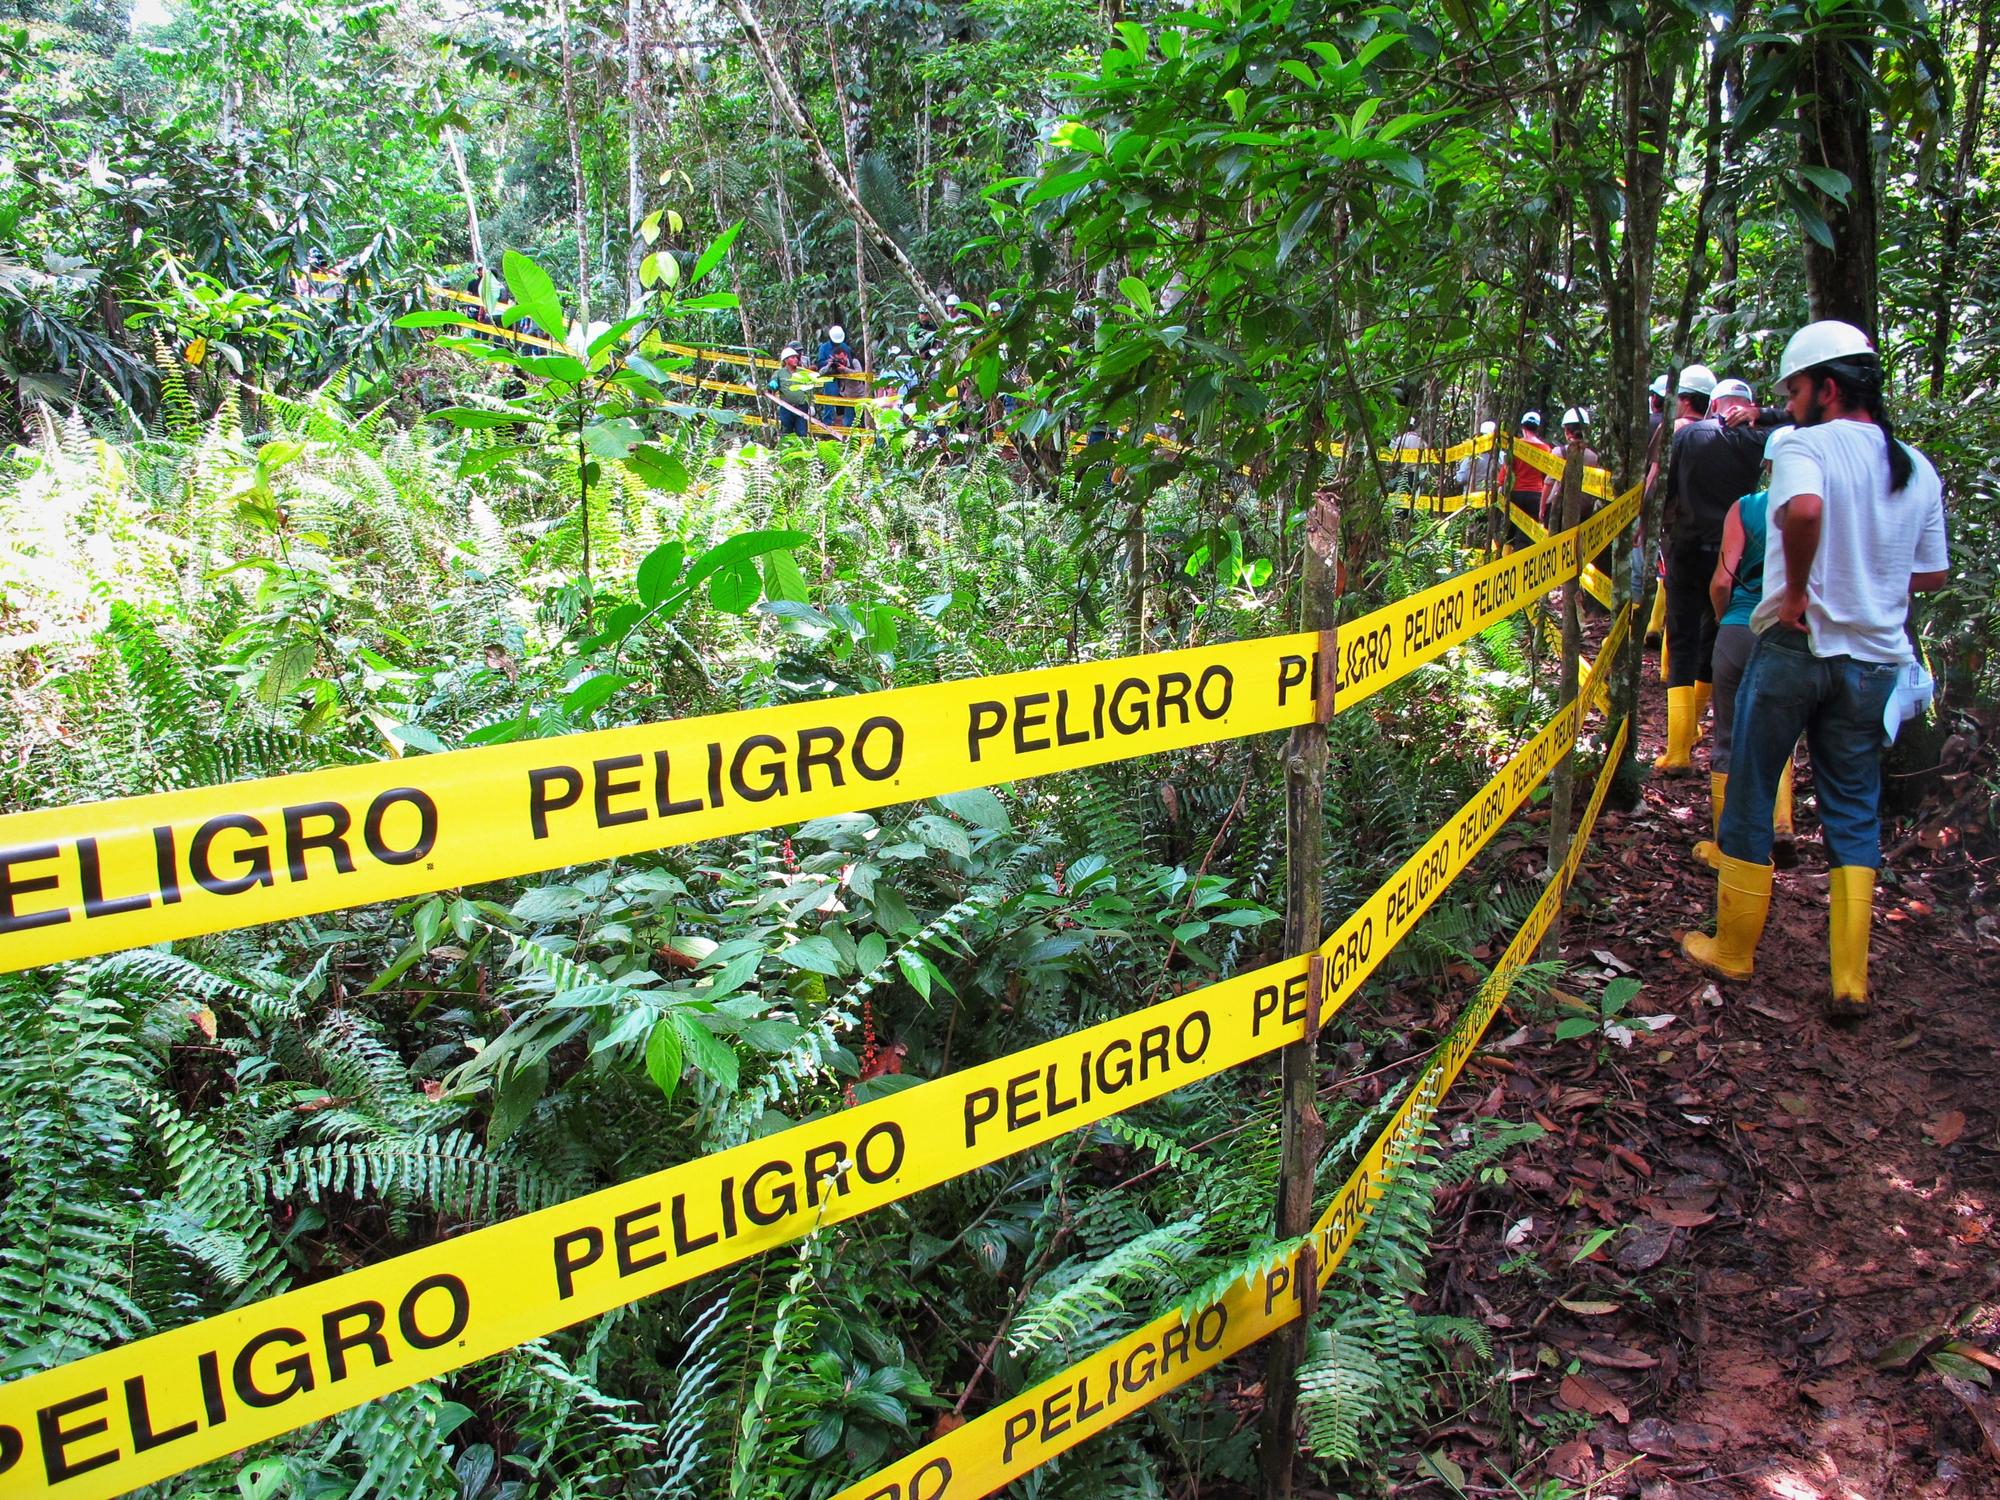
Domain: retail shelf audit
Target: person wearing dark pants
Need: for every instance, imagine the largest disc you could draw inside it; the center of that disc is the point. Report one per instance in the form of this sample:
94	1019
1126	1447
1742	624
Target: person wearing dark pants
1735	590
1714	460
1856	522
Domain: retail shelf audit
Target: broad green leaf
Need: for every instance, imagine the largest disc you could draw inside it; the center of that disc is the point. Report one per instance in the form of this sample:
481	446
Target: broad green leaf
480	416
712	256
613	439
978	806
1836	185
1061	183
592	694
735	587
564	367
743	545
783	581
659	571
870	952
915	970
664	1056
1137	293
942	834
533	293
707	1052
431	317
659	469
816	954
416	737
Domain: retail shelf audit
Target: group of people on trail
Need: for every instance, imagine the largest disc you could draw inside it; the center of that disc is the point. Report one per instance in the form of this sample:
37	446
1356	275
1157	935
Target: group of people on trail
1793	540
833	372
801	389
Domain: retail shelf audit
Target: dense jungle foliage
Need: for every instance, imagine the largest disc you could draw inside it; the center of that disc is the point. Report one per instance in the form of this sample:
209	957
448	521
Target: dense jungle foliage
252	522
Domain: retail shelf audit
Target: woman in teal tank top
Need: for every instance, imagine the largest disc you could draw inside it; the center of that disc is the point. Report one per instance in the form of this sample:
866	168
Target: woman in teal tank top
1735	590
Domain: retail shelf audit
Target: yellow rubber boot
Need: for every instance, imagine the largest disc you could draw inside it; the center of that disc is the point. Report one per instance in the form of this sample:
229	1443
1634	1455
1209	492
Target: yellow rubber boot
1784	850
1678	758
1702	692
1708	851
1663	659
1742	901
1657	624
1852	908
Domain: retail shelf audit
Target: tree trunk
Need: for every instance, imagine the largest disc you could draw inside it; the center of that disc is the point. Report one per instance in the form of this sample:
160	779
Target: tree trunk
1562	789
1645	94
635	192
1304	1132
456	152
582	203
1841	279
788	101
1971	123
692	96
1711	173
860	240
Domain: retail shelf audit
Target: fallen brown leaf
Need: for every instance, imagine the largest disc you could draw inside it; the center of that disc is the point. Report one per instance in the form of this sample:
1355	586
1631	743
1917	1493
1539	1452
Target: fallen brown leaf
1947	1127
1582	1393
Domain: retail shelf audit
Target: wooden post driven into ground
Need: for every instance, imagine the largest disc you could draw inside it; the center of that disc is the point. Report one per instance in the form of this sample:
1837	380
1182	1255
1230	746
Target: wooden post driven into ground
1562	787
1304	1131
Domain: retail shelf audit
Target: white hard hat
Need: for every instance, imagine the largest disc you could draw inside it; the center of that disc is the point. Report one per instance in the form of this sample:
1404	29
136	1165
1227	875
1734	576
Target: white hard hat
1821	343
993	306
1697	380
837	334
1659	387
1486	429
1732	389
1531	419
788	353
952	300
1576	416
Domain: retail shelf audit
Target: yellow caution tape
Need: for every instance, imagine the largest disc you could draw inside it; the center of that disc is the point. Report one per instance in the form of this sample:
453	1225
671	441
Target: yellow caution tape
129	1416
1029	1429
1595	582
108	875
1386	645
1596	482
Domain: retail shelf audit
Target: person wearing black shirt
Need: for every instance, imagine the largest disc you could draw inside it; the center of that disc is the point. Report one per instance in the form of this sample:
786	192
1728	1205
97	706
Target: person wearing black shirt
1713	462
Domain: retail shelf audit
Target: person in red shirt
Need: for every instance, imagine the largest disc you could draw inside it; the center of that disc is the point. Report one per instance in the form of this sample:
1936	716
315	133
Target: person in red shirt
1525	485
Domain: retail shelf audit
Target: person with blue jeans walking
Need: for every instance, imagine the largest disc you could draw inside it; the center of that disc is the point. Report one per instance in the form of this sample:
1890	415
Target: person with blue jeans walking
1856	525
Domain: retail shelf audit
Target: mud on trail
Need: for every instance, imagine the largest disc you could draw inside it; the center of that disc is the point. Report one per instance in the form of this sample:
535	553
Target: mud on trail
1789	1278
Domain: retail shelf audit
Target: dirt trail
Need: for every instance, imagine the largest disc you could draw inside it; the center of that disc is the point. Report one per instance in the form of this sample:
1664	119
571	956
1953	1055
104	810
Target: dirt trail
1801	1299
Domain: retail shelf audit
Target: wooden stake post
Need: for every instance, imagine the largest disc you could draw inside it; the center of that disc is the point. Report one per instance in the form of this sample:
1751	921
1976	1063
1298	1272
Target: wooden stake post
1562	787
1304	1136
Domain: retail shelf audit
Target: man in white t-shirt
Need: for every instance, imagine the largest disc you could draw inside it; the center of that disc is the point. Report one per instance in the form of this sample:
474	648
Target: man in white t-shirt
1856	525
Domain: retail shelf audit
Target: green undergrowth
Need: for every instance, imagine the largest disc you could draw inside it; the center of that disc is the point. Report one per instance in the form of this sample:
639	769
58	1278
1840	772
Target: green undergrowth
187	1129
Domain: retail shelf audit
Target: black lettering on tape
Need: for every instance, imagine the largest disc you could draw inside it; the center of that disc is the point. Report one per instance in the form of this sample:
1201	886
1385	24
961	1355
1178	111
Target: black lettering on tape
253	859
892	753
90	876
412	1326
332	838
57	1438
12	885
604	787
551	789
573	1251
338	1339
139	1416
297	1368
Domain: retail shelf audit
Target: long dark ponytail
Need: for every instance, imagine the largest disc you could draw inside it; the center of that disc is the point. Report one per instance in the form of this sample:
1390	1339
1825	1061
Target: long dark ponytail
1858	378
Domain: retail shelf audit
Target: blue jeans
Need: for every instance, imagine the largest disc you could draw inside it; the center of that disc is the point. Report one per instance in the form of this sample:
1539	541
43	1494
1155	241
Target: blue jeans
1837	703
